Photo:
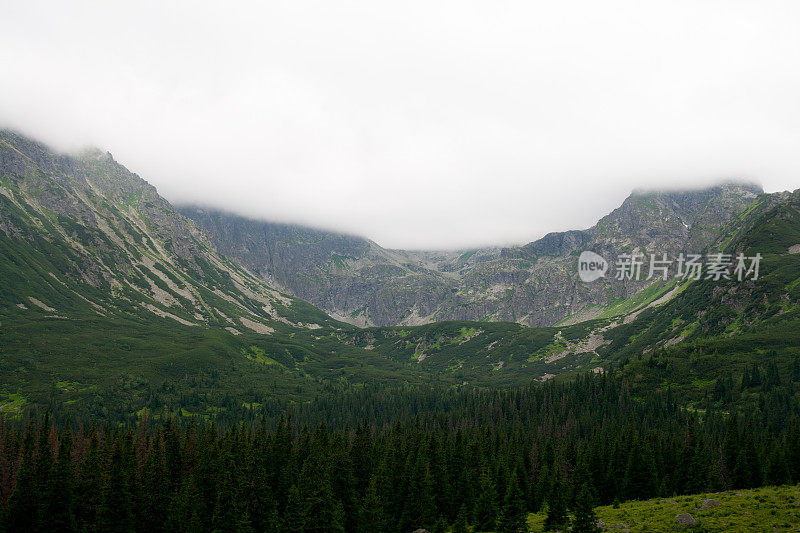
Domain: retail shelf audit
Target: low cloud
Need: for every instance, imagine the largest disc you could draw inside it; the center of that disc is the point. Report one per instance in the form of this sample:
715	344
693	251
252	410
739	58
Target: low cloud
417	124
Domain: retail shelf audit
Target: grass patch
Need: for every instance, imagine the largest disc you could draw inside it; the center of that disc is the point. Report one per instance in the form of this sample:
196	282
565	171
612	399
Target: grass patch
762	509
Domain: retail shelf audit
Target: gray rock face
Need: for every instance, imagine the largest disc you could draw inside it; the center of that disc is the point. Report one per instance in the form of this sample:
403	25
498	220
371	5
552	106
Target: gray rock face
686	520
357	281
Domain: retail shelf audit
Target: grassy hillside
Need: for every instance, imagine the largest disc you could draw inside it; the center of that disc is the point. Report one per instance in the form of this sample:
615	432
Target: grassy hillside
763	509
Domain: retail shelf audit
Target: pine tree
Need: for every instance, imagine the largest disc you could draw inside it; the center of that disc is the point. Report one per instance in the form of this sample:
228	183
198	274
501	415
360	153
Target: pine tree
184	512
293	519
116	513
512	516
23	505
556	507
154	497
461	525
43	472
486	505
372	516
88	486
585	519
58	505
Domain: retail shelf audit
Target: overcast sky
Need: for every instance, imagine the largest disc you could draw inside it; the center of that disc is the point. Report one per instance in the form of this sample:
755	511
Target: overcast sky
417	124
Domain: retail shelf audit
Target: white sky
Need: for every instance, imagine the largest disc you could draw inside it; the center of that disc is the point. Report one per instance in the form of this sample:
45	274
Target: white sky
417	124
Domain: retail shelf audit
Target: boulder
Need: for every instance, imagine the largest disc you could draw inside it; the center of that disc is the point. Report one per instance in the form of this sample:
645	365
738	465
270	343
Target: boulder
686	520
709	503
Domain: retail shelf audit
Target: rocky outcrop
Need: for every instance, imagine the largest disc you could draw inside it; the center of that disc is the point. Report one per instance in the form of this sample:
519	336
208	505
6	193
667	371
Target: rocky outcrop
357	281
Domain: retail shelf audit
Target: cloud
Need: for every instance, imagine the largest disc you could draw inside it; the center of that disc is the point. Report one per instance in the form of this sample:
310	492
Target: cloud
417	124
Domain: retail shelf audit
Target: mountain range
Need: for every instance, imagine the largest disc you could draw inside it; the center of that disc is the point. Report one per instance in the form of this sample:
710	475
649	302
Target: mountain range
356	281
113	302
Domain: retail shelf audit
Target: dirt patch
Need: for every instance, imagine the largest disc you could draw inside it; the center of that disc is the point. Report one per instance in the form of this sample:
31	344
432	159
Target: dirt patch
156	311
43	305
258	327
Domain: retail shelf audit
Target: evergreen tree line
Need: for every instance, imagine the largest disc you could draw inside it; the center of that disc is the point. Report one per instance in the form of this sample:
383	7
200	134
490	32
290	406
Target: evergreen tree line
485	459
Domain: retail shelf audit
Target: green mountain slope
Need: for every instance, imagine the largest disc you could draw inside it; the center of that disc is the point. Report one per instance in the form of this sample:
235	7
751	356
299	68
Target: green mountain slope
81	236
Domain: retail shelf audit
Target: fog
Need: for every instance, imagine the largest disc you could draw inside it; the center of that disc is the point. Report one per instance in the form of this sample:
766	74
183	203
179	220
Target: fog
416	124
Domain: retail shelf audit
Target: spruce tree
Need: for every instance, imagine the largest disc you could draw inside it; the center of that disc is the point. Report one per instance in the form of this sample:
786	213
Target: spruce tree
58	505
322	511
43	472
461	524
513	514
556	507
293	519
23	505
88	486
486	505
153	488
229	512
116	513
184	511
372	516
640	475
585	519
440	526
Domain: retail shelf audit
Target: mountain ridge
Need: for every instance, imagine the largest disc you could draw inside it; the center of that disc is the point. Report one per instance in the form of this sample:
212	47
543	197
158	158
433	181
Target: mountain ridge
358	281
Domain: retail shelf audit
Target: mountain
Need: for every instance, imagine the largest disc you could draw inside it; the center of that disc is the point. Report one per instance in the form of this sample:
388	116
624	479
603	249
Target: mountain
703	342
357	281
112	303
83	236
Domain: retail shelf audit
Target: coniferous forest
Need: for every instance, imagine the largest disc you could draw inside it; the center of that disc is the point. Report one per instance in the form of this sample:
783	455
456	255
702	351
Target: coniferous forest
452	460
